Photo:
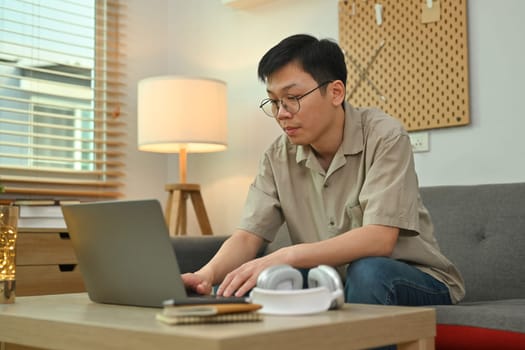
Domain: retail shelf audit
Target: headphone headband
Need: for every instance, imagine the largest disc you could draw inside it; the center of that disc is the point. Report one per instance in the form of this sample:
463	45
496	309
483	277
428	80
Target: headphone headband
279	290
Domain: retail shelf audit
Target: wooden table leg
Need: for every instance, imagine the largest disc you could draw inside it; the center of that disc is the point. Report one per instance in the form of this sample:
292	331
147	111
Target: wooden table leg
420	344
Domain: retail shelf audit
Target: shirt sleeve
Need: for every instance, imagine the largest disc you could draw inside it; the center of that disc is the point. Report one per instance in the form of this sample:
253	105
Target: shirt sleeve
262	214
390	193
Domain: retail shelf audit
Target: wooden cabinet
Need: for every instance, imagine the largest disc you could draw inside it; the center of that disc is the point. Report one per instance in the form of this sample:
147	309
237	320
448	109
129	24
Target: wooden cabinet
46	263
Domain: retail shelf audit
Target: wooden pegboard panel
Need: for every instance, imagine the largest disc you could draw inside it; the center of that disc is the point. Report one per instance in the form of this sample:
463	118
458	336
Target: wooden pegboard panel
414	71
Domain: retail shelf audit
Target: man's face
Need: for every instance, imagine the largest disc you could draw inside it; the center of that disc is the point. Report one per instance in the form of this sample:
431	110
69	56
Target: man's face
314	119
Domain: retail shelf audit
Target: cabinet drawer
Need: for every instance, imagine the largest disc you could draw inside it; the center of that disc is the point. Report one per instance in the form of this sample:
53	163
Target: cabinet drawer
48	279
51	248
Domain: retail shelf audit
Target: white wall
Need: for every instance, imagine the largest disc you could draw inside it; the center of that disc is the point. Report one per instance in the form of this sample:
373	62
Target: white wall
145	44
205	38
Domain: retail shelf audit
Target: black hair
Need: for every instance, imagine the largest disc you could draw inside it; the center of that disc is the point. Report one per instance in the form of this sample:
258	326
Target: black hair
322	59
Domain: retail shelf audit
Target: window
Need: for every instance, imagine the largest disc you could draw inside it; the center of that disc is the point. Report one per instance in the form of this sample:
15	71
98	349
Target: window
60	120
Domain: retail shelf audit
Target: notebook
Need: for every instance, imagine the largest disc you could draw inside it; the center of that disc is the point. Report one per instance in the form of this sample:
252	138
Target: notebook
125	254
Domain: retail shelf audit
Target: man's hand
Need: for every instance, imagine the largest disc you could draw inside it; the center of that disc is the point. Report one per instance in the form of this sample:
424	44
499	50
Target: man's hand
241	280
197	283
241	247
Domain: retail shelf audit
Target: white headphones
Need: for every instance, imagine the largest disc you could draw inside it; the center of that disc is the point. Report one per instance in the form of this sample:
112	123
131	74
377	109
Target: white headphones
279	290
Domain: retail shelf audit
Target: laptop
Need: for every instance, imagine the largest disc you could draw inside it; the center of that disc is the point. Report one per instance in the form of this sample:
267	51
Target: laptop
125	254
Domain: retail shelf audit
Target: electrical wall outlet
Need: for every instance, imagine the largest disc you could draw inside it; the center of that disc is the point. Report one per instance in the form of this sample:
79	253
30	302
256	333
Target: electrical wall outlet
419	141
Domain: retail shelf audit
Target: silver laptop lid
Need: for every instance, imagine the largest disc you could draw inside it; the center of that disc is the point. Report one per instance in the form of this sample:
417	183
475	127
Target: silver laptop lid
124	252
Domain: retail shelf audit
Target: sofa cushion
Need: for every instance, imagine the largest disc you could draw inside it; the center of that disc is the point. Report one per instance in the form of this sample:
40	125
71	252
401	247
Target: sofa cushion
481	325
500	314
193	252
481	228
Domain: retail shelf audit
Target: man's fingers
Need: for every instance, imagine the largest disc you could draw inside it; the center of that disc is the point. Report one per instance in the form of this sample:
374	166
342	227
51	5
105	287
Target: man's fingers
225	288
246	287
238	282
196	283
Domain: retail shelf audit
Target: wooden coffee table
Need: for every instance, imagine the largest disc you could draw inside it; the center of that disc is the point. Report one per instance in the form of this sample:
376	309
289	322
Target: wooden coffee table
72	321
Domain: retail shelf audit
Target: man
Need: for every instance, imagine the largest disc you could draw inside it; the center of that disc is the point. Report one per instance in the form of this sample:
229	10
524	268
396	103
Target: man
343	181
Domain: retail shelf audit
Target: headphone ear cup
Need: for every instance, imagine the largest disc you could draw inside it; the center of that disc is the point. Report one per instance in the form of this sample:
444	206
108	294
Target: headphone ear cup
327	276
280	277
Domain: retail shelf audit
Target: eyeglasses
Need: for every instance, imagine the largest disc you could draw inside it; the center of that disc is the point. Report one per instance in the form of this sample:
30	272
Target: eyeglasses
291	104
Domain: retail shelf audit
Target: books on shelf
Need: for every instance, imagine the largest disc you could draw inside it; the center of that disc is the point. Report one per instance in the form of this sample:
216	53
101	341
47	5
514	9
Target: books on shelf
212	313
42	222
41	213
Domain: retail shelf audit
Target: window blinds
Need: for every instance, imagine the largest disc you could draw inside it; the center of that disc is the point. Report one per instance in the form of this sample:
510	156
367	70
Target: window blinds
61	127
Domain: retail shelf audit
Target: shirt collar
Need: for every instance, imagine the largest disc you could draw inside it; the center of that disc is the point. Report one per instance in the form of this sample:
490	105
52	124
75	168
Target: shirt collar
353	140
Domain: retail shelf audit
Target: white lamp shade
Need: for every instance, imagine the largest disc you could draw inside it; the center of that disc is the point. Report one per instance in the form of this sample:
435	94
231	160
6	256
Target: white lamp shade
176	113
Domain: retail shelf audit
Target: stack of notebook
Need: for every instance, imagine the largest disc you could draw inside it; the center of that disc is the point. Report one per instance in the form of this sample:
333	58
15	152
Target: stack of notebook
209	313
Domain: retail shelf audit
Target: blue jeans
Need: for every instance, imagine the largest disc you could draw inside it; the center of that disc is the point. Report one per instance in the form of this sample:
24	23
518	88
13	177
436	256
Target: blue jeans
385	281
379	280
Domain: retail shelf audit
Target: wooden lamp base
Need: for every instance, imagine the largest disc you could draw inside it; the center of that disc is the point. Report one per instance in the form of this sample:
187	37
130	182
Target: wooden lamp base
192	191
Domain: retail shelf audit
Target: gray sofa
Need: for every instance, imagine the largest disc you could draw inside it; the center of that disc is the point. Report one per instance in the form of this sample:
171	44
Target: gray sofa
481	228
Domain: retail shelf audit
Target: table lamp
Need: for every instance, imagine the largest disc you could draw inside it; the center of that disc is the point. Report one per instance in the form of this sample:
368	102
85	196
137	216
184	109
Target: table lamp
182	115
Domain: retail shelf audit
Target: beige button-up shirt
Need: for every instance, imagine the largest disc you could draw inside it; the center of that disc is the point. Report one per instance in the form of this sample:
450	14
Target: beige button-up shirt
371	180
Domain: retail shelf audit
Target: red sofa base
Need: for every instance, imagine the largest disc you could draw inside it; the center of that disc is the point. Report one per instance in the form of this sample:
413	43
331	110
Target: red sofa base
455	337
